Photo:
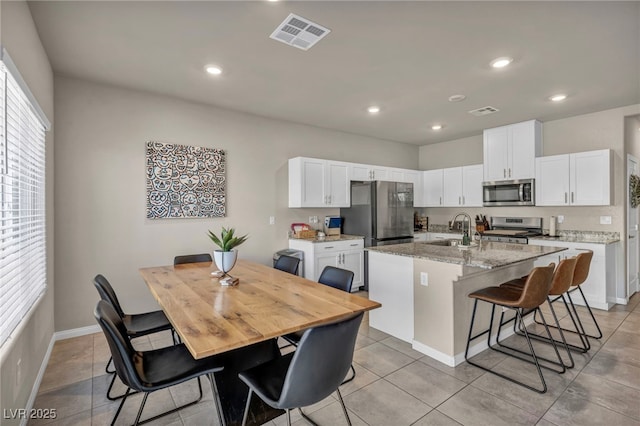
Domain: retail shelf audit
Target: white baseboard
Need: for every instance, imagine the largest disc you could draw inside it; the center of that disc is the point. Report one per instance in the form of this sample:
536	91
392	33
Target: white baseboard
457	359
76	332
38	381
58	335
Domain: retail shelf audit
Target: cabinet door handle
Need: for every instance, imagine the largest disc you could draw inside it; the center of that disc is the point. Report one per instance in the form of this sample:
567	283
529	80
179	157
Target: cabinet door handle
338	259
440	200
328	199
459	200
354	245
509	171
328	247
504	172
343	258
631	236
463	200
571	197
565	198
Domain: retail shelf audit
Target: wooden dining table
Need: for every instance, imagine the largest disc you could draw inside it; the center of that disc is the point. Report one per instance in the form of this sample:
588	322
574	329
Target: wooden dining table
242	323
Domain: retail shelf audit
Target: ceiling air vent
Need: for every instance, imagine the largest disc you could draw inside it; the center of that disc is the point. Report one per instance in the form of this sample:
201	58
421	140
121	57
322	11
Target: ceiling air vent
299	32
484	111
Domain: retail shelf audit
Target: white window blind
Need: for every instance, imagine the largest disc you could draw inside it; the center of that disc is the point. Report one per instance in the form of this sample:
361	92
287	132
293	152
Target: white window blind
22	208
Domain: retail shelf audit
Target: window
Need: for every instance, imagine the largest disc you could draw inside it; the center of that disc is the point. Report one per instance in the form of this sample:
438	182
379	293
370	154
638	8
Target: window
22	200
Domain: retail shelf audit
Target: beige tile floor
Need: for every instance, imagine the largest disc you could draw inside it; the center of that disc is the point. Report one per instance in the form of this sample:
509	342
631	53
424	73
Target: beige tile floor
395	385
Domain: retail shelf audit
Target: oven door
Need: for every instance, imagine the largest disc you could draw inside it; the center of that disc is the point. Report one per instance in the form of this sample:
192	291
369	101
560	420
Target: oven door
509	193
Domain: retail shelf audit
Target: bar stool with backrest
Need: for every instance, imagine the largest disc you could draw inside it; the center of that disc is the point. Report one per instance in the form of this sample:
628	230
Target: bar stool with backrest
560	283
533	294
136	325
149	371
308	375
288	264
579	277
563	279
339	278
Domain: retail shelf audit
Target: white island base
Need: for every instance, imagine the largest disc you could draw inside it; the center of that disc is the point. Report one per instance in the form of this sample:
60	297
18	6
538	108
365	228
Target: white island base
425	302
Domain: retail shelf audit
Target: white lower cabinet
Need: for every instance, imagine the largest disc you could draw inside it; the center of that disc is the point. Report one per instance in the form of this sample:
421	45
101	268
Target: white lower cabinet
347	254
600	286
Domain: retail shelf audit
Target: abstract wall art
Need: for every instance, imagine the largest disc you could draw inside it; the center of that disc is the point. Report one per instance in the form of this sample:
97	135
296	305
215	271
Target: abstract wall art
185	181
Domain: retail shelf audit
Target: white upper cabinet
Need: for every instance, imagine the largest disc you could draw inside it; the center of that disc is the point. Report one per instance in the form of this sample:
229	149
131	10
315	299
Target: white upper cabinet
462	186
579	179
318	183
366	172
432	186
509	151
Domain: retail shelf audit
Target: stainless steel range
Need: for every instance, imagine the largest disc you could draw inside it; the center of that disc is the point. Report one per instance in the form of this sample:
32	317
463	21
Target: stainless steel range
513	229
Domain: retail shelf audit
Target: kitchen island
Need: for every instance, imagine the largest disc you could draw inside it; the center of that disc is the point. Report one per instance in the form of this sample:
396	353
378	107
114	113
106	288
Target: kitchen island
424	288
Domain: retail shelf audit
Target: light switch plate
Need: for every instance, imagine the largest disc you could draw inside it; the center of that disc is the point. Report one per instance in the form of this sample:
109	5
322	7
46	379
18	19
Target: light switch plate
272	220
605	220
560	219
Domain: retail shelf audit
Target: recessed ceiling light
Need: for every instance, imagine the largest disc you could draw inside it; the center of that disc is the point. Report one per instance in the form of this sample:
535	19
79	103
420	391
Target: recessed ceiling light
373	109
501	62
437	127
213	69
558	98
457	98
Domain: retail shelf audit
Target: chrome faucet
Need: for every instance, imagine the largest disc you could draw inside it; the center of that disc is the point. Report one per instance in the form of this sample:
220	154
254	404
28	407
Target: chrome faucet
468	233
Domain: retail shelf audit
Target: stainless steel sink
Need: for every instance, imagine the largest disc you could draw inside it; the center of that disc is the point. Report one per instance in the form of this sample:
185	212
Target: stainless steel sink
449	243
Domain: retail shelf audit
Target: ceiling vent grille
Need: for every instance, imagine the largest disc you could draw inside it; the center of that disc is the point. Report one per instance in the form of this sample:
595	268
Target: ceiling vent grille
299	32
483	111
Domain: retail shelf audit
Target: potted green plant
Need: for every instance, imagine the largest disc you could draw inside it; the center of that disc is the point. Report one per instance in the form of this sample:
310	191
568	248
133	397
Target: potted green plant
226	257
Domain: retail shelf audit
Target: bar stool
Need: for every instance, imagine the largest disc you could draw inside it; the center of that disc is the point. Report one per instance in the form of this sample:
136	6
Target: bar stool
533	294
583	264
560	283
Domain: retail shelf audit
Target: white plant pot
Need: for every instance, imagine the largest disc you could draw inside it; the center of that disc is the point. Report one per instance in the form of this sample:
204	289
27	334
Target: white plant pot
225	260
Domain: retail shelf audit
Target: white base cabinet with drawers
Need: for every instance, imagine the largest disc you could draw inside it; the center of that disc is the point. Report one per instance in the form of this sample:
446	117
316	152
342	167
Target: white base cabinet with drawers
346	254
600	286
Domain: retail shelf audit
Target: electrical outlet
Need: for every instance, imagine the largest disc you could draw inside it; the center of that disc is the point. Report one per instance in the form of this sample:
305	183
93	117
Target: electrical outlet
424	279
560	219
272	220
605	220
313	219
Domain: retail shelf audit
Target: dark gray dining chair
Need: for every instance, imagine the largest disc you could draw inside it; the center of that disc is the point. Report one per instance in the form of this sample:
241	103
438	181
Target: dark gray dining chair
192	258
149	371
339	278
136	325
288	264
309	374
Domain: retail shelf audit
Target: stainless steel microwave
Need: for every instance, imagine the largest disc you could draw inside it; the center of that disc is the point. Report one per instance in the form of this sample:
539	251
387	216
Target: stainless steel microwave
509	193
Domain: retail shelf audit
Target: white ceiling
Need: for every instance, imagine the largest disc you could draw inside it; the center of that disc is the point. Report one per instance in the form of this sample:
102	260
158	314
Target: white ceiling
407	57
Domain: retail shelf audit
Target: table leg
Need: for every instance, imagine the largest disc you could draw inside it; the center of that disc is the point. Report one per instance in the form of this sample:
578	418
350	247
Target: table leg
233	392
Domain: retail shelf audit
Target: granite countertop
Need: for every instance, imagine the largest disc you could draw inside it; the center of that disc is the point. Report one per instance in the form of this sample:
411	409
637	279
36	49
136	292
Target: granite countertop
486	255
330	238
582	237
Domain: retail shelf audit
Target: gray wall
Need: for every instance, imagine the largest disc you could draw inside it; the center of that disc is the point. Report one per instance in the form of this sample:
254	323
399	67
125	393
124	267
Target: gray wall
19	37
100	186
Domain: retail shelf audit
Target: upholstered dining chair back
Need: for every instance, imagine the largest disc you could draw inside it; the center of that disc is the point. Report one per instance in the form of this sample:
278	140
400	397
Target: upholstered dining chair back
107	293
192	258
288	264
341	279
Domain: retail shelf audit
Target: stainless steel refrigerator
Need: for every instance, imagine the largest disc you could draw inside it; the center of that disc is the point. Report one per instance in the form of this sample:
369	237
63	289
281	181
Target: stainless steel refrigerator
382	212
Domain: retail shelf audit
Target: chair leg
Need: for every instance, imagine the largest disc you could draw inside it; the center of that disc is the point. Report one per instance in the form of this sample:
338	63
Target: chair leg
488	331
579	329
144	401
519	318
353	376
124	398
288	417
599	335
344	408
106	369
115	398
246	408
307	418
216	398
545	339
166	413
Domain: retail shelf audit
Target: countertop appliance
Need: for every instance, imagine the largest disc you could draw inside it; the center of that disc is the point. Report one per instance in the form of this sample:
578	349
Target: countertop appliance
509	193
380	211
513	229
